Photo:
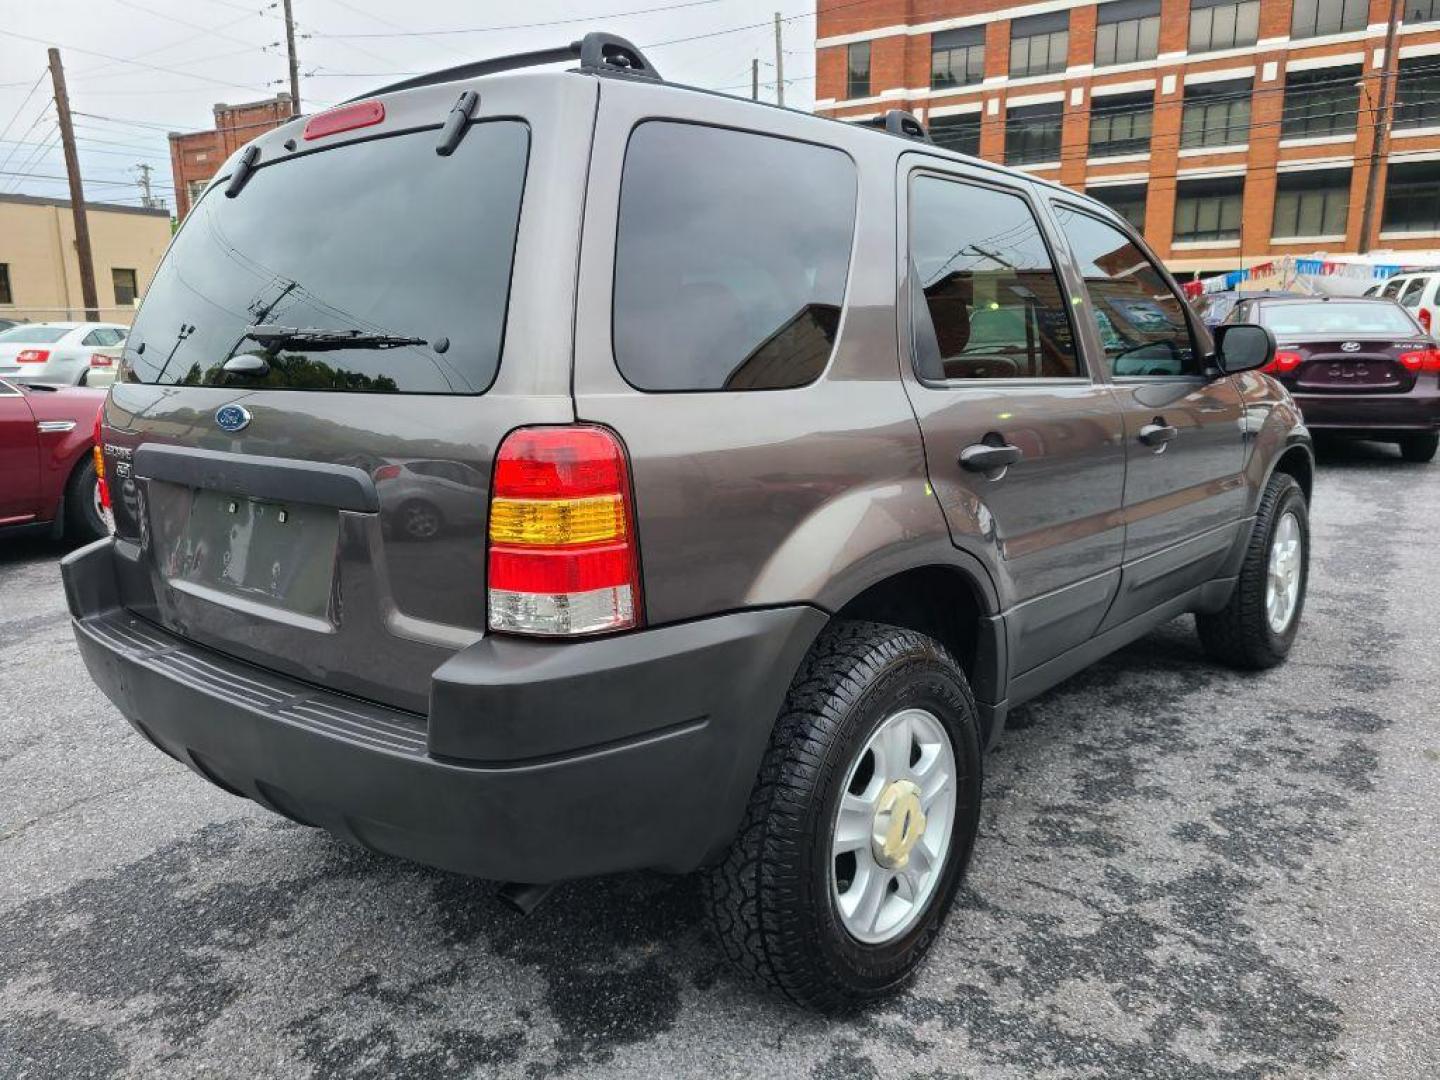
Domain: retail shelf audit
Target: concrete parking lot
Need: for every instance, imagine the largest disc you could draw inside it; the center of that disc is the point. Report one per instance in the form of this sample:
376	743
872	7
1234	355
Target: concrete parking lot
1182	872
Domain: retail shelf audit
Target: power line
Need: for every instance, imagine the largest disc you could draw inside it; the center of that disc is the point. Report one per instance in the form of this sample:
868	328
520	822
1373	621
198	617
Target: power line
493	29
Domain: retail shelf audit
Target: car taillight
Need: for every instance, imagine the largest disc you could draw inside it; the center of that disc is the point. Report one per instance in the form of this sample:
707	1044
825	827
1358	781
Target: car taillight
387	472
1425	319
1284	363
99	453
32	356
99	359
1420	360
564	558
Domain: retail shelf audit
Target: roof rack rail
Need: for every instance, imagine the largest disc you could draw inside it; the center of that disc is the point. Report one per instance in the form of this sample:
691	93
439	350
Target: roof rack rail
906	125
597	52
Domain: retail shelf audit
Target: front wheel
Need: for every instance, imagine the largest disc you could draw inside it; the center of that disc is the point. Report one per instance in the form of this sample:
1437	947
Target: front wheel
860	824
1256	629
1419	448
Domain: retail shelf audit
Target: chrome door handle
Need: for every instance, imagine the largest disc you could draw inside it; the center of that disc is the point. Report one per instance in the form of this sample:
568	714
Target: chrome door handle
1158	434
984	458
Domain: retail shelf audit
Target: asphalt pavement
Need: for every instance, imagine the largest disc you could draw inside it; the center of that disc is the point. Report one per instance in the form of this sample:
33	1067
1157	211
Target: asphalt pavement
1182	873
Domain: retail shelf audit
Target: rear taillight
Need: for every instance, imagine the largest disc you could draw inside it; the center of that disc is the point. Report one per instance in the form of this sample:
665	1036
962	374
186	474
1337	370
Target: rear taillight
1425	319
100	360
387	472
1284	363
99	453
1420	360
32	356
564	558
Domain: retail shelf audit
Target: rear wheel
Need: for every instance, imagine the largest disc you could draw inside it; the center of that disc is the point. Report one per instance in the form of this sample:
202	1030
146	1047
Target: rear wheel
84	515
860	824
1419	448
1257	627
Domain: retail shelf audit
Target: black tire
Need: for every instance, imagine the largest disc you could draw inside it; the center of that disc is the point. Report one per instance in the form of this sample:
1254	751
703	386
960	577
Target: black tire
770	901
1419	448
83	521
1240	634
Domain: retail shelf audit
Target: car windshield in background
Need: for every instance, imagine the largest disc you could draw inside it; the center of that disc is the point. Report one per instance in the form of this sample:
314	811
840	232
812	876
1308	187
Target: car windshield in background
34	335
381	239
1337	317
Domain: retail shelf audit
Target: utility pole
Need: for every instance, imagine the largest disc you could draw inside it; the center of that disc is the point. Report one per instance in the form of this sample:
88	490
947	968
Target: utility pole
294	60
754	80
77	190
147	199
779	65
1380	129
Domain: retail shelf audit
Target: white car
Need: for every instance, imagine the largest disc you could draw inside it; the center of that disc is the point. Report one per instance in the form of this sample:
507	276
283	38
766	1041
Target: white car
1418	292
78	354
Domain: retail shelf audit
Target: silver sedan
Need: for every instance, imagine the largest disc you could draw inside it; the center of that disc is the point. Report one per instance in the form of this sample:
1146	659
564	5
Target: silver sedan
74	353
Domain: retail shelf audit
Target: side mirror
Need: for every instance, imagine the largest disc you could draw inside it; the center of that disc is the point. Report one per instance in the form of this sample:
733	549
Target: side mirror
1243	347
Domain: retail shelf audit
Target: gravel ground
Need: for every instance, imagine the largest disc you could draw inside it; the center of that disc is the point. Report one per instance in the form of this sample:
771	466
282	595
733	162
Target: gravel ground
1182	873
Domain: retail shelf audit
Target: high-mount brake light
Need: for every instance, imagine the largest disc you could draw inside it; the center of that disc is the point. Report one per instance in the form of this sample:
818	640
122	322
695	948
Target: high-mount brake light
345	118
564	558
1284	363
32	356
99	452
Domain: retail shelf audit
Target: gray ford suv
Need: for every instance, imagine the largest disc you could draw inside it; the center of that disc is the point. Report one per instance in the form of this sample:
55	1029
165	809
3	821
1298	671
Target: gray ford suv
765	463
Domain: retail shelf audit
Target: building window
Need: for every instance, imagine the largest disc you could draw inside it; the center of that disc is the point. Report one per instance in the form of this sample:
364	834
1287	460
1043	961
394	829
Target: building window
1208	209
958	133
857	70
1121	124
1312	18
1032	134
1223	24
1128	31
1421	11
1412	197
1040	45
124	283
1418	91
1216	114
1311	204
1320	103
957	57
1127	200
6	297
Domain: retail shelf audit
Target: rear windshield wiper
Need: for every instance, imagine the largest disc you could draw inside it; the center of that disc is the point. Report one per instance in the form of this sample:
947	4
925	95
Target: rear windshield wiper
319	339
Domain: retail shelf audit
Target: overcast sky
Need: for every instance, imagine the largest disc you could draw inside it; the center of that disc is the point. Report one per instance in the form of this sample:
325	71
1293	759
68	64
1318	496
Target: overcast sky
151	66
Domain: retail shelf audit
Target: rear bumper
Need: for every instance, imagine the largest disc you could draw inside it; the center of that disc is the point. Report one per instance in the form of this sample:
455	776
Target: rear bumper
1413	413
675	721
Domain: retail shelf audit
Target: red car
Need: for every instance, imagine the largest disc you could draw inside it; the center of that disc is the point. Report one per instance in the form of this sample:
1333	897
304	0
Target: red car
47	462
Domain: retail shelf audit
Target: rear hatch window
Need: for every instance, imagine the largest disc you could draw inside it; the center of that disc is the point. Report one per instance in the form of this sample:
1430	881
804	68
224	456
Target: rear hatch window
383	241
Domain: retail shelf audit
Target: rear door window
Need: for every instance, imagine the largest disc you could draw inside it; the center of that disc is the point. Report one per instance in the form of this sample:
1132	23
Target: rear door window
1411	296
731	258
988	303
380	237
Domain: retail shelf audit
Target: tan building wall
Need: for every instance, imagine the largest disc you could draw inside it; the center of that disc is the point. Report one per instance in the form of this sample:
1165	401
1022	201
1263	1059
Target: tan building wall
37	248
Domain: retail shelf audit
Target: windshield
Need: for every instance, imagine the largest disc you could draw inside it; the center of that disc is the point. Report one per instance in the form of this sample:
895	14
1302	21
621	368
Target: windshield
1341	318
376	238
35	335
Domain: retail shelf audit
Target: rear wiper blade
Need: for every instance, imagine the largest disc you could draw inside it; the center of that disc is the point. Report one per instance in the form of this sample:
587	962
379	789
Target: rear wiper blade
321	339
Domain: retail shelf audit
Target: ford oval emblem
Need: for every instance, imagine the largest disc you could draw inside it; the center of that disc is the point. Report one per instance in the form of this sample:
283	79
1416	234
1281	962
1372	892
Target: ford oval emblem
232	417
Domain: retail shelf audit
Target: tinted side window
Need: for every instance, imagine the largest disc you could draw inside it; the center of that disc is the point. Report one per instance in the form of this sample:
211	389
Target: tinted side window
1392	290
987	301
1141	320
730	260
1411	296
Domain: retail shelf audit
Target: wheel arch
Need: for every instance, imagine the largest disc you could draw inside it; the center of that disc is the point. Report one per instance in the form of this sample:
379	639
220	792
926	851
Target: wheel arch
1297	460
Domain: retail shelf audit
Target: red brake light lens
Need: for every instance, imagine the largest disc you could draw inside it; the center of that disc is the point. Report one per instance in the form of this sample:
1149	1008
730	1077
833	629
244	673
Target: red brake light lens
99	359
564	558
345	118
1420	360
32	356
1425	319
99	453
1284	363
387	472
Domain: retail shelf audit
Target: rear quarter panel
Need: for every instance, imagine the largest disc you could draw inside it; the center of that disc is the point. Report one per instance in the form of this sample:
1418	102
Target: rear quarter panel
61	452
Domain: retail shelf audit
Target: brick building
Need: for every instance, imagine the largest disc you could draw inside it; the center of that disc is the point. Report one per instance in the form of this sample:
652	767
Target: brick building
195	157
1229	130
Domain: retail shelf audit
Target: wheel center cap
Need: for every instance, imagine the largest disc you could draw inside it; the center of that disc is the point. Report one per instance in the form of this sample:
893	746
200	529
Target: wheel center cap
899	824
